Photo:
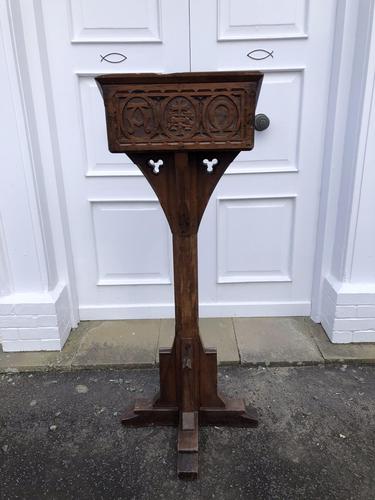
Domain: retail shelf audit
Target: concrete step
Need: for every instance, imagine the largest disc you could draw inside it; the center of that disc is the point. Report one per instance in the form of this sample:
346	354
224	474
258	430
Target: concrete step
249	341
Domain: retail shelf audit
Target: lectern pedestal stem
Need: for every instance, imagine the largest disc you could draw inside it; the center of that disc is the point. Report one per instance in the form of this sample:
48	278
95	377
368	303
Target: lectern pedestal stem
186	314
186	285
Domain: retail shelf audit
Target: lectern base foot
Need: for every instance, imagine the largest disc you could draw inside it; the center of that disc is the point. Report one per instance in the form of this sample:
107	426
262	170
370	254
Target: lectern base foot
235	414
187	465
147	413
187	445
144	413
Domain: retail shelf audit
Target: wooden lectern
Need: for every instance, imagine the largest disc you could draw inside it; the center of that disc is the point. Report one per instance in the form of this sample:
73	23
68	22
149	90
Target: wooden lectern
183	130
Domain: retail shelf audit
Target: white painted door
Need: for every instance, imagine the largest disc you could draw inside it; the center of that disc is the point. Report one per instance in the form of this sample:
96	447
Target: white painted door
120	239
260	227
257	238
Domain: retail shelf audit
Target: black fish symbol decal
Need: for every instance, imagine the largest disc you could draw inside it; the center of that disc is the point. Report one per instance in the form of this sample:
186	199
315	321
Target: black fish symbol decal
260	54
118	58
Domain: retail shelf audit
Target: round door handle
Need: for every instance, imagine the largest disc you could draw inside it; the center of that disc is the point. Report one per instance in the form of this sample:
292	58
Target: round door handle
261	122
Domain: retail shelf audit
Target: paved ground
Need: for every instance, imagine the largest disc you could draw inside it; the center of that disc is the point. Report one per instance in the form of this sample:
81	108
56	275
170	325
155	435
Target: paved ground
60	437
249	341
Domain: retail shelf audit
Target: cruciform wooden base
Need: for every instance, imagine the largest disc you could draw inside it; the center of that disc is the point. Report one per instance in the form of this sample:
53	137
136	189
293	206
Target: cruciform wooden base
213	409
234	413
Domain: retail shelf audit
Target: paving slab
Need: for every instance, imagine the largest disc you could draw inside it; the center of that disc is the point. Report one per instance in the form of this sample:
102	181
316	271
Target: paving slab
42	360
129	343
166	334
215	332
364	352
275	341
219	333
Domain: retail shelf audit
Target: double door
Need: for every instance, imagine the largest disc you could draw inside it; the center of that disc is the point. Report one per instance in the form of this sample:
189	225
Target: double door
257	238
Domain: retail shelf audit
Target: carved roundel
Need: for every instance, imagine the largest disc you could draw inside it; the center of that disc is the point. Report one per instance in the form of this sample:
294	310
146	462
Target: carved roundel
179	118
138	118
222	116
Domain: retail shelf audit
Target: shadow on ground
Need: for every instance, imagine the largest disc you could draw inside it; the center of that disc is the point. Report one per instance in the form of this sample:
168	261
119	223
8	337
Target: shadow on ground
60	437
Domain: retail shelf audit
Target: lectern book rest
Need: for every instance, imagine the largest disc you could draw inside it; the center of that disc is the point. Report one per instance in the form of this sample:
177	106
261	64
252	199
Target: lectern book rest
183	130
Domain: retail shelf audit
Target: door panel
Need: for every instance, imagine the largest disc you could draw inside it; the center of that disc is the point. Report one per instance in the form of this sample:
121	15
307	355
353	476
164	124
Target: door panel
239	259
117	21
118	261
262	19
98	160
265	210
120	238
276	148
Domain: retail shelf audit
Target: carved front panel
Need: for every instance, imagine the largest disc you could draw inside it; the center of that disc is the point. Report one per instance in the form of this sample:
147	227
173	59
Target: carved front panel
180	116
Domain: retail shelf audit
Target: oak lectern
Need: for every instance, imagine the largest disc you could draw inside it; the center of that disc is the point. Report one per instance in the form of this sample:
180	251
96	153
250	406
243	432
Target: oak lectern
183	130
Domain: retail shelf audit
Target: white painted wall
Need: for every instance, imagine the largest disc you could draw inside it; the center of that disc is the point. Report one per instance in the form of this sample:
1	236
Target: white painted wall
36	306
347	275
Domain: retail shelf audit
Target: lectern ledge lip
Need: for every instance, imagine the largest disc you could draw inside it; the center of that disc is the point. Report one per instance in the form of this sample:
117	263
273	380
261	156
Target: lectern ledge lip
187	77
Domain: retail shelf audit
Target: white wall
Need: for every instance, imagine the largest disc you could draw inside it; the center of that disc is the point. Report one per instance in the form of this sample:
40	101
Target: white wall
347	279
36	306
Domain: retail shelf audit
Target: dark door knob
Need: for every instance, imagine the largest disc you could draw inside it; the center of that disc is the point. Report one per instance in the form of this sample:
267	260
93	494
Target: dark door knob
261	122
